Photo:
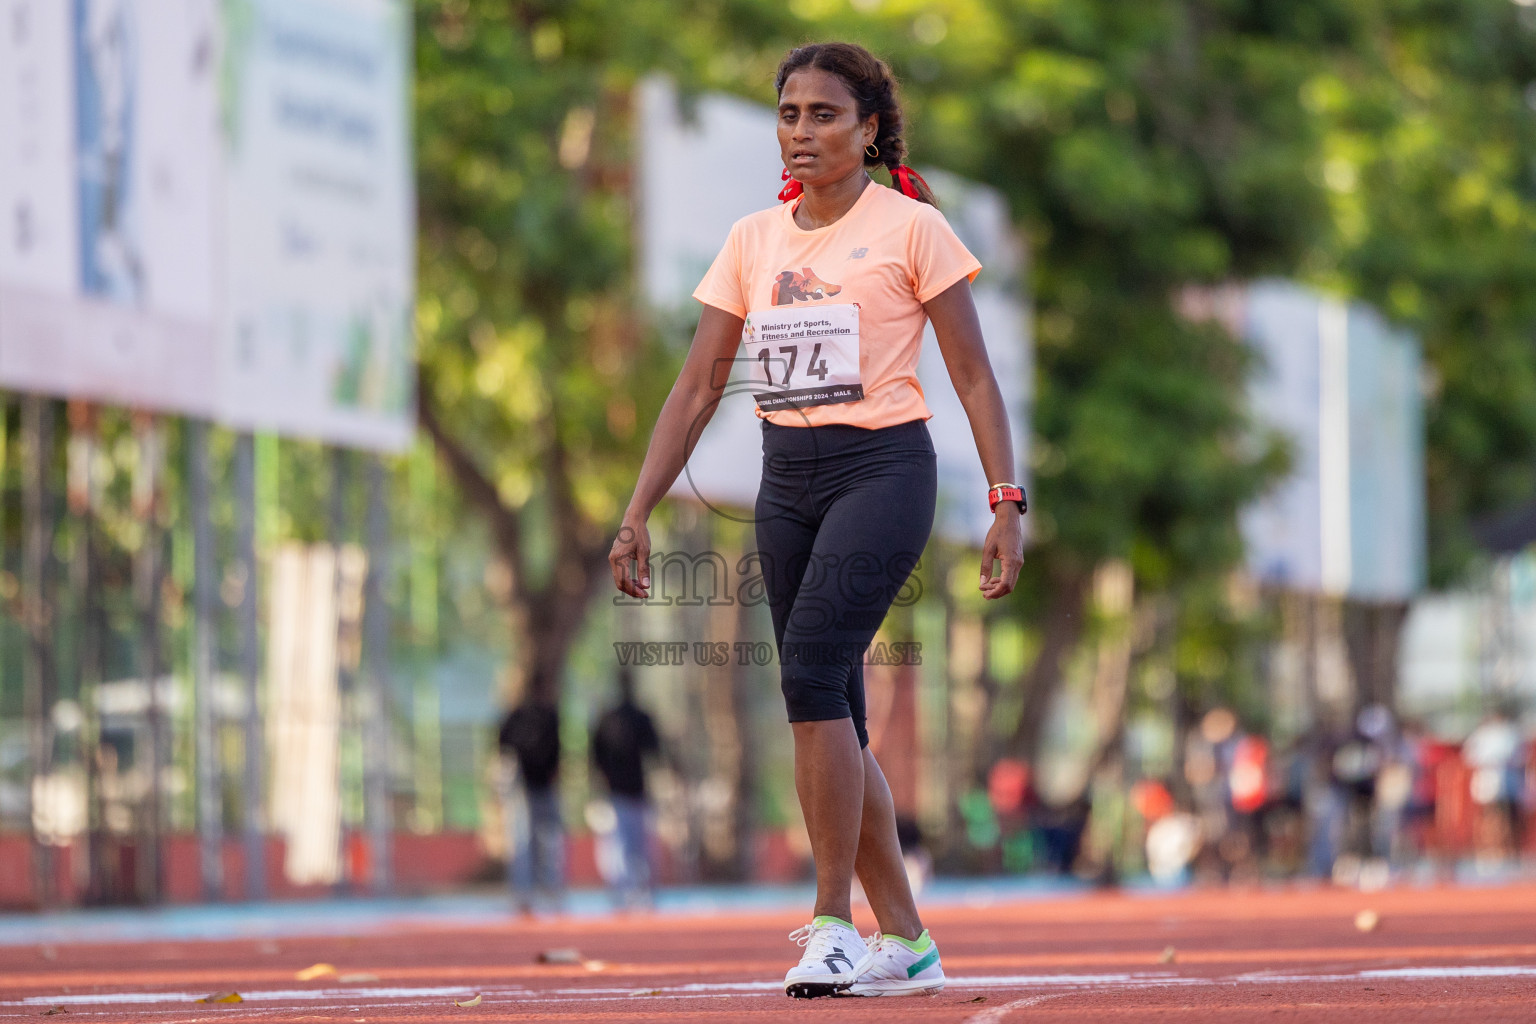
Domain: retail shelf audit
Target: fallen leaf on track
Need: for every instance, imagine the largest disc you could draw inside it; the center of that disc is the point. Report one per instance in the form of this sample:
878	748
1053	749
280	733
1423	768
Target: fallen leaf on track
314	971
56	1009
1168	955
978	999
468	1002
646	992
222	997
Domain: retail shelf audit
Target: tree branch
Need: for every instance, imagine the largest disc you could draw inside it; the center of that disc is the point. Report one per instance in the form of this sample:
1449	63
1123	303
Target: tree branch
476	486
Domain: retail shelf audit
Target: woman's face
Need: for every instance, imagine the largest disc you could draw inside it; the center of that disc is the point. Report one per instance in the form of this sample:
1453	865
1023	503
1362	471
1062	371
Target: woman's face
821	137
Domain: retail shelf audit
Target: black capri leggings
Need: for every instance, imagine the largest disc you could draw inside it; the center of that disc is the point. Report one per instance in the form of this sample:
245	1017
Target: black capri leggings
843	514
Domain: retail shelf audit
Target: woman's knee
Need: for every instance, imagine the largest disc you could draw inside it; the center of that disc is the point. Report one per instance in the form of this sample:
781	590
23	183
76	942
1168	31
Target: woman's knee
813	696
812	692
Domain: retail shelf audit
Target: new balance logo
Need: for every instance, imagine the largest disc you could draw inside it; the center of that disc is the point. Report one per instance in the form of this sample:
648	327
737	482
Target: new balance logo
858	254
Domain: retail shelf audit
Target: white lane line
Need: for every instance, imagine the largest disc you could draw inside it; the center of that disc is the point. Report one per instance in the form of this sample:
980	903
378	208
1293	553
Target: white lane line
260	1011
1387	974
413	996
979	981
339	995
1069	980
995	1014
1434	973
692	988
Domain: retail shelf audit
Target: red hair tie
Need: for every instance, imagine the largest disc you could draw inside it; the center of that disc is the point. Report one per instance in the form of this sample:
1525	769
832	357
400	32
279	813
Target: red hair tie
904	175
792	189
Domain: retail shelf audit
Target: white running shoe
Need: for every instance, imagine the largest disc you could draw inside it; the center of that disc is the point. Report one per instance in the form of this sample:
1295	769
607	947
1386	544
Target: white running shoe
894	968
832	950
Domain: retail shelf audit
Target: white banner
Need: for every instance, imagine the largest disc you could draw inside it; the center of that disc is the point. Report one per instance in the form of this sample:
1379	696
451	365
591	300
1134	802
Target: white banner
206	208
108	149
316	332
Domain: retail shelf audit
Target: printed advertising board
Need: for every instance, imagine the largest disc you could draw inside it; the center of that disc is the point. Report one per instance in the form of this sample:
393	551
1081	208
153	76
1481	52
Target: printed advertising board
206	208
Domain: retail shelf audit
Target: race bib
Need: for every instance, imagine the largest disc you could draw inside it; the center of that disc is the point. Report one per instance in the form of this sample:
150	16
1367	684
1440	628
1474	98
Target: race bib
803	357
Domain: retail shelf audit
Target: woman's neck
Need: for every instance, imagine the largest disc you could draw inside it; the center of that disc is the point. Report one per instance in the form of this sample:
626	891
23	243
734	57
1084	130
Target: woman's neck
825	204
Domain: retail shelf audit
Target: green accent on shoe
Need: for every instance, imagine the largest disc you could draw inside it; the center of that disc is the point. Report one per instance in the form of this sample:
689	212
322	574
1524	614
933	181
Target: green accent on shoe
916	945
829	919
926	962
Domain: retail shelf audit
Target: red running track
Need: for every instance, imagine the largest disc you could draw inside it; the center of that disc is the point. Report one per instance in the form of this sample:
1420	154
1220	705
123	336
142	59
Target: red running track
1285	955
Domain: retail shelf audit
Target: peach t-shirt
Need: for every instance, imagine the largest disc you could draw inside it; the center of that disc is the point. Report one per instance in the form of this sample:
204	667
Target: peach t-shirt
834	316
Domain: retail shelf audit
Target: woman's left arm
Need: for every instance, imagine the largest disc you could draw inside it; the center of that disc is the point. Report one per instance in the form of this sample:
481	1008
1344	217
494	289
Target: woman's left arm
953	313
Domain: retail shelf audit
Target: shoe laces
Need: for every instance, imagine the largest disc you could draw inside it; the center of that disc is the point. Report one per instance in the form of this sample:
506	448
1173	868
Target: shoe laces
802	935
876	943
814	937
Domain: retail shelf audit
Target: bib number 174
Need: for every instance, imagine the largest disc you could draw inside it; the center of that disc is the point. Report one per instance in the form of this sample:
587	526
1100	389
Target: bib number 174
815	365
804	357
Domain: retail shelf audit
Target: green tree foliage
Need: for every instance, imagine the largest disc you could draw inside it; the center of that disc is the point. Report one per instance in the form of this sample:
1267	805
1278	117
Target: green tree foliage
1428	161
537	378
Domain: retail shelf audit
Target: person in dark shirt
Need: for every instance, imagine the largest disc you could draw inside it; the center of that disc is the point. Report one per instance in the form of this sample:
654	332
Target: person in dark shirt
621	741
530	734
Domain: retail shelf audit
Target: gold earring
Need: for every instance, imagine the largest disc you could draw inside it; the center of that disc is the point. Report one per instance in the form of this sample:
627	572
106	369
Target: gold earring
871	146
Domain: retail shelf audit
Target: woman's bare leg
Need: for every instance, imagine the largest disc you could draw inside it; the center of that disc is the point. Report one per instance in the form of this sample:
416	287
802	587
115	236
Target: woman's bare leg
829	777
879	862
852	824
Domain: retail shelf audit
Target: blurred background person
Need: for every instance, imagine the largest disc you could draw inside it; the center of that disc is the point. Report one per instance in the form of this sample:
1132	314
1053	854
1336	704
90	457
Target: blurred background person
530	737
1325	801
1355	765
1395	787
1493	752
623	738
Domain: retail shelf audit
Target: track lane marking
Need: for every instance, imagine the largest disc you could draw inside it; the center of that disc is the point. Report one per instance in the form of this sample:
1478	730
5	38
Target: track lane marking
995	1014
537	972
391	996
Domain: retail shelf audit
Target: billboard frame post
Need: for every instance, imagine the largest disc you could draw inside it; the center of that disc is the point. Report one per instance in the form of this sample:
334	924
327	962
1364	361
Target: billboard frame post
209	797
376	619
253	768
337	533
82	496
148	573
37	668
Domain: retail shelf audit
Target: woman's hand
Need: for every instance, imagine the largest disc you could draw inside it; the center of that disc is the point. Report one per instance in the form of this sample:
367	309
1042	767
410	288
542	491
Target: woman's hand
632	551
1005	543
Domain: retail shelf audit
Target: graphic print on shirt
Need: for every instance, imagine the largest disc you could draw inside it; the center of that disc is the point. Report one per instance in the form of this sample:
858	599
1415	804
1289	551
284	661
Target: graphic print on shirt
790	287
802	358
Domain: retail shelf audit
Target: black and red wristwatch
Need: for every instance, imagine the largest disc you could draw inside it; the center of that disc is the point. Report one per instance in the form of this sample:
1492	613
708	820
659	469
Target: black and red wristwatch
1007	492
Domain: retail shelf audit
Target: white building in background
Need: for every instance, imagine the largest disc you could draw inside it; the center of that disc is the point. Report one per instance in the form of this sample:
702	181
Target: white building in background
1467	651
1344	387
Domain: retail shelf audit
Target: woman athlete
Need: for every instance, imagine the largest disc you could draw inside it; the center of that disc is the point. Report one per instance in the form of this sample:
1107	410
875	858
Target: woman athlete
829	293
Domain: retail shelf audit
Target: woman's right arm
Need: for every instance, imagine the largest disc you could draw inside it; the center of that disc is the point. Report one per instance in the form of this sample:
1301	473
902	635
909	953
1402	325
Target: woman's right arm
687	410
